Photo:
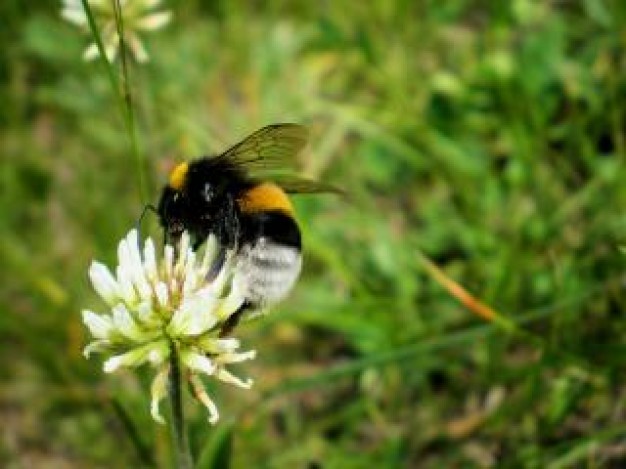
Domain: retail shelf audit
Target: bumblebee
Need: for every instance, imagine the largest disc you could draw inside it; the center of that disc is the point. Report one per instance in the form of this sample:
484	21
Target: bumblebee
231	197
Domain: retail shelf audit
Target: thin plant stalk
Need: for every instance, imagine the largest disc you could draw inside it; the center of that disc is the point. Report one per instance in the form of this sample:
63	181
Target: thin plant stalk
129	115
107	65
123	97
177	421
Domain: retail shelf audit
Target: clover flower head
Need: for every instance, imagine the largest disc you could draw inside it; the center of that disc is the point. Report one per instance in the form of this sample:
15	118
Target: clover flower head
155	305
138	16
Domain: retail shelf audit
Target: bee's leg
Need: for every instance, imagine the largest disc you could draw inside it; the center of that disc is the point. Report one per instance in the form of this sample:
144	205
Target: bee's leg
140	220
234	318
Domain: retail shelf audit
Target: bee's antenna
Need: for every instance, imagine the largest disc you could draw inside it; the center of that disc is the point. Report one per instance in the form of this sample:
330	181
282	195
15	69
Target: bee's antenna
145	210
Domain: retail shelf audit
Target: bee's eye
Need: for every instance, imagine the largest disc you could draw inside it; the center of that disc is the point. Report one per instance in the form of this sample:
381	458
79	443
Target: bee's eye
207	192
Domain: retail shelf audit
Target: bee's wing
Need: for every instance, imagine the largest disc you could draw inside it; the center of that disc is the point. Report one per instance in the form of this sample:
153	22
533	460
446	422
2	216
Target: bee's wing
297	185
270	148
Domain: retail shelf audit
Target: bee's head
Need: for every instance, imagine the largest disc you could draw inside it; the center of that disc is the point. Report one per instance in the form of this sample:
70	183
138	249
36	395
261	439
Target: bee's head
172	211
173	205
195	199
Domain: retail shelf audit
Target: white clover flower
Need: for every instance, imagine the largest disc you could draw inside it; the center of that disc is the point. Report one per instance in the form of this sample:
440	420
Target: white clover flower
155	304
138	15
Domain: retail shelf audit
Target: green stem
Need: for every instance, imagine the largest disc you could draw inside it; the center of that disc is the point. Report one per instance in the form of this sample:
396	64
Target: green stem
177	422
123	97
103	58
129	115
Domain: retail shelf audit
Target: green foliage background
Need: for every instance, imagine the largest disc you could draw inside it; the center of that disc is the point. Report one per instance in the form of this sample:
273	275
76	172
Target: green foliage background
489	135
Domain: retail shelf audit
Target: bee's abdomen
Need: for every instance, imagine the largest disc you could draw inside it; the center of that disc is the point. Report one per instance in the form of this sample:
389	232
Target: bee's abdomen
269	270
275	225
269	257
265	197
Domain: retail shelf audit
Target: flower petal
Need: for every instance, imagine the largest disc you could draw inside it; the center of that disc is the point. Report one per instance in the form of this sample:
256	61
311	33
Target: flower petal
99	326
103	282
73	4
97	346
125	324
136	47
215	346
110	48
183	252
224	375
158	391
168	261
195	361
224	275
130	257
210	253
233	301
145	314
195	315
203	397
154	21
160	290
190	274
235	357
126	288
130	359
75	16
149	262
91	52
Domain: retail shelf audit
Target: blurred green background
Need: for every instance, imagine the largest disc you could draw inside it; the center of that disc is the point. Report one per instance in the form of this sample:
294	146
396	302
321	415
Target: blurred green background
488	135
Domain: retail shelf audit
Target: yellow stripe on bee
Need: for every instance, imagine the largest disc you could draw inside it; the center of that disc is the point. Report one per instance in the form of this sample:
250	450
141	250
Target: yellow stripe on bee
266	196
178	176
